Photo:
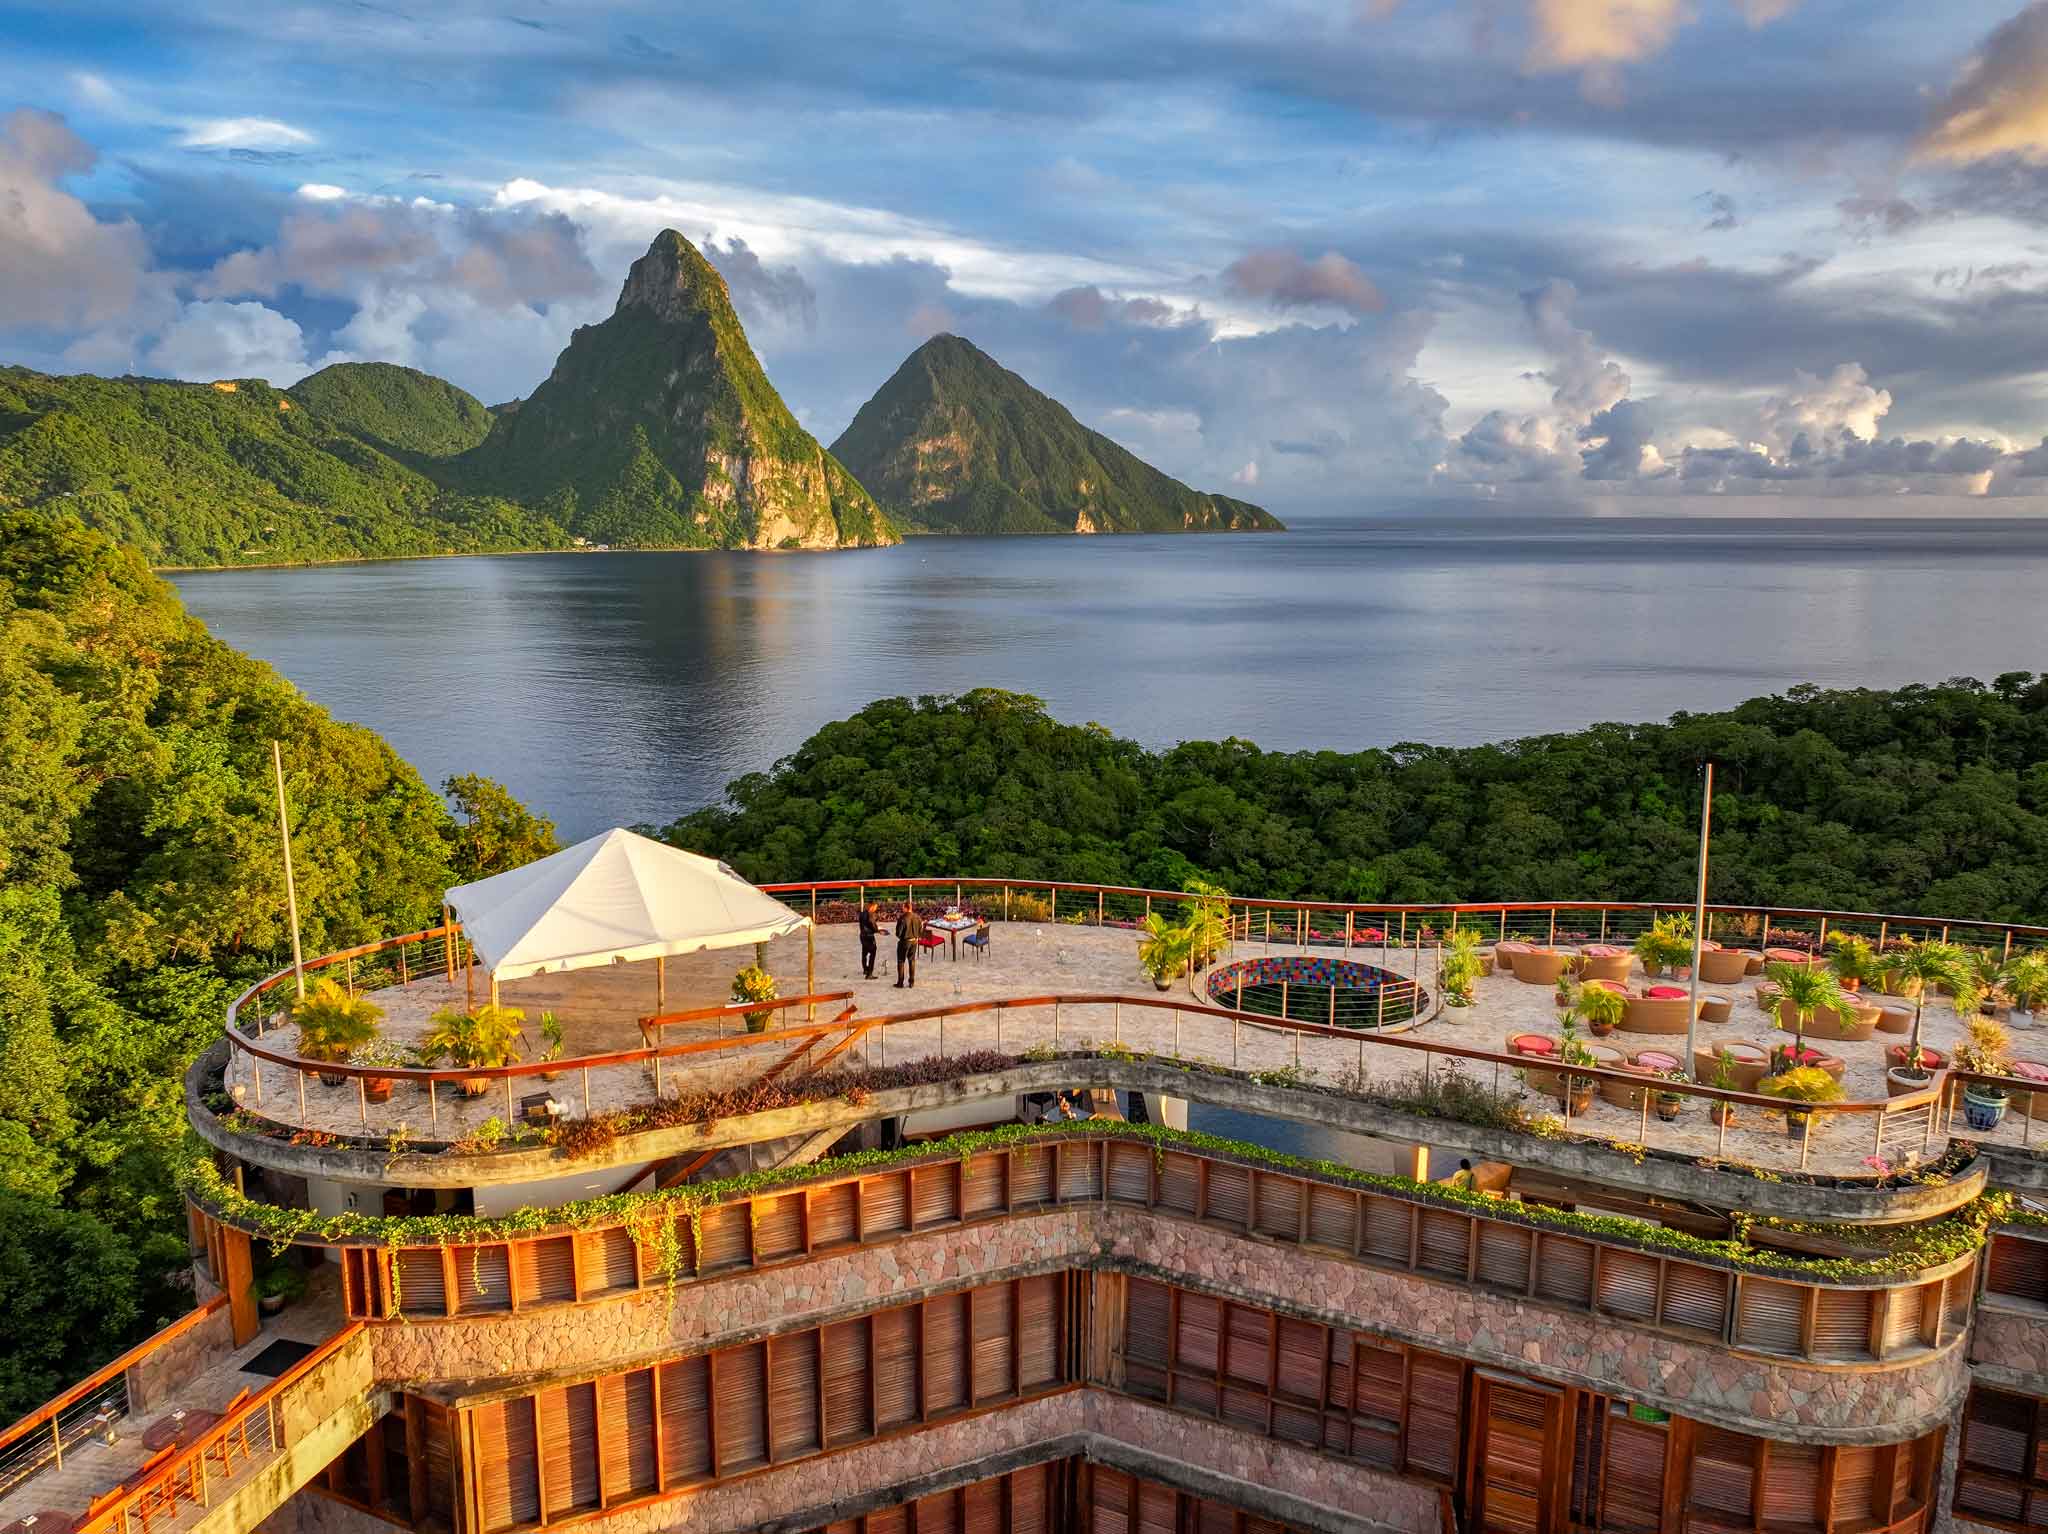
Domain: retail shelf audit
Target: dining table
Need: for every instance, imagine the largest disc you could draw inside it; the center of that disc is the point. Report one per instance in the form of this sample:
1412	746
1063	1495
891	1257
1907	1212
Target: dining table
953	923
178	1429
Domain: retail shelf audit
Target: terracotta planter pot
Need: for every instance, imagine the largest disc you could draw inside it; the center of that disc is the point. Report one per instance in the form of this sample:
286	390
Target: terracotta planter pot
1723	1113
475	1086
1898	1082
377	1089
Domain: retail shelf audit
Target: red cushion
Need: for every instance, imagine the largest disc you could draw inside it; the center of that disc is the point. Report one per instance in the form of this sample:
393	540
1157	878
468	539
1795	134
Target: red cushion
1534	1044
1666	992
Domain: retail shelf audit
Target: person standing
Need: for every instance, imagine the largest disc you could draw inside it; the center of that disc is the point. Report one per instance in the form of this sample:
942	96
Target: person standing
870	934
909	928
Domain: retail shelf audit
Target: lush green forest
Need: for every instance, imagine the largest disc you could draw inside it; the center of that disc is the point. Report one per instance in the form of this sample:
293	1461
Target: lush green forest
1926	799
955	442
140	889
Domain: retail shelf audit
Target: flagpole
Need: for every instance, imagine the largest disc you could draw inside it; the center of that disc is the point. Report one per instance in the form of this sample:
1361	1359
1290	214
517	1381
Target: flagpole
291	888
1699	922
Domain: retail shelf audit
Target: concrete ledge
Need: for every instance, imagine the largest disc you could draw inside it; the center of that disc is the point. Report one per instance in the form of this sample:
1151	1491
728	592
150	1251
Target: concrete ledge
1670	1176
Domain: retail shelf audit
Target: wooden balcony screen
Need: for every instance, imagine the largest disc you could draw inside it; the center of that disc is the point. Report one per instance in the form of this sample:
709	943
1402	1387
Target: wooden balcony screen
575	1449
1770	1315
2016	1267
2002	1472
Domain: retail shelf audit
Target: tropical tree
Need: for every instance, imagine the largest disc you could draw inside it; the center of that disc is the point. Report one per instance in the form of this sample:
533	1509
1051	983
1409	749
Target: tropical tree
1808	989
1919	969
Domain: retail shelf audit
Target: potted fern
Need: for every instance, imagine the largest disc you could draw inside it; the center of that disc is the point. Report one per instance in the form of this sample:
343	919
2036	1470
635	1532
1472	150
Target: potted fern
333	1025
1983	1053
1575	1091
1853	960
1803	1084
482	1040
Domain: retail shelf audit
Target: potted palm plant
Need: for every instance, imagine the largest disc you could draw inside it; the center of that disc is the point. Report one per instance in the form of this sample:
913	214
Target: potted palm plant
1723	1113
1576	1091
1207	921
1460	966
1983	1053
1666	945
1803	1084
1803	990
333	1025
1917	970
1163	951
551	1043
1602	1009
2026	980
1853	960
482	1040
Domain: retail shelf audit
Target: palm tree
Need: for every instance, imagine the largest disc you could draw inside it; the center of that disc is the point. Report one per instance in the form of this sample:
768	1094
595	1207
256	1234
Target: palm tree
1809	988
1921	968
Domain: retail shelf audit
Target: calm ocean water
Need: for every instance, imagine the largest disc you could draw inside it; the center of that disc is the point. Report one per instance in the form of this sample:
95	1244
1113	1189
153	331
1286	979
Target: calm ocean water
616	688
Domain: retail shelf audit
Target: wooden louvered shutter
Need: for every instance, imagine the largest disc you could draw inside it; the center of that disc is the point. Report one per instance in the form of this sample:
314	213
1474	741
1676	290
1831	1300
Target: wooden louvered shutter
981	1507
568	1436
1158	1507
1371	1381
483	1279
1180	1179
1768	1314
1791	1489
1247	1332
778	1227
437	1433
981	1184
833	1212
507	1476
1517	1443
611	1265
896	1367
1998	1442
884	1205
422	1285
1030	1499
1632	1475
1627	1284
843	1359
1446	1243
1589	1447
991	1322
1332	1217
1277	1211
2017	1267
1110	1501
739	1403
1148	1319
1130	1172
1388	1227
1841	1323
1302	1348
1504	1256
1230	1194
945	1359
793	1395
685	1420
546	1270
1695	1298
1039	1303
722	1238
625	1404
1723	1491
1564	1270
1215	1518
1436	1388
888	1520
1904	1316
1031	1175
1856	1486
1079	1172
1955	1299
938	1514
931	1195
1197	1345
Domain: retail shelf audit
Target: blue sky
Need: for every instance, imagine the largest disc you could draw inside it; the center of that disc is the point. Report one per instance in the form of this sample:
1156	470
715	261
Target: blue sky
1503	247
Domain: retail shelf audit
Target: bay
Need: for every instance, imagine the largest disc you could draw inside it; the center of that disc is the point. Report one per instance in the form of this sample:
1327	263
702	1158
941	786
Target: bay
620	688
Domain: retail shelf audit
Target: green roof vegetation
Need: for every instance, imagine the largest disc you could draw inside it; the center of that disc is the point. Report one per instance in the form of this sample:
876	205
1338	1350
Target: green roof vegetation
956	443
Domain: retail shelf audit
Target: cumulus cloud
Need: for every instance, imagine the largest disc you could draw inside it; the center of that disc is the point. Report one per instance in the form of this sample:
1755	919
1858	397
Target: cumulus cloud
761	290
212	339
244	133
1285	279
60	267
1089	308
1573	34
1621	444
1999	102
1844	403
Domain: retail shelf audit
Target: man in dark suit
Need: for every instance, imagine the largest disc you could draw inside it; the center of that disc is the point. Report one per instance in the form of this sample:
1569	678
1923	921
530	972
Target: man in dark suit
909	928
870	934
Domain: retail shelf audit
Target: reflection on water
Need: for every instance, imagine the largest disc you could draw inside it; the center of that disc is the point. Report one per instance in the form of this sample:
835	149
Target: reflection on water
609	689
1315	1142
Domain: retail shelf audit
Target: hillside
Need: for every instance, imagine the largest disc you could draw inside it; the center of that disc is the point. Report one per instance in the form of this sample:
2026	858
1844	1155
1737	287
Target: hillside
140	890
956	443
396	410
237	472
658	428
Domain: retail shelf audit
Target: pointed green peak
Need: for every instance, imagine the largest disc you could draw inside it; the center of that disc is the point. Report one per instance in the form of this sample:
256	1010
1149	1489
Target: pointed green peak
673	281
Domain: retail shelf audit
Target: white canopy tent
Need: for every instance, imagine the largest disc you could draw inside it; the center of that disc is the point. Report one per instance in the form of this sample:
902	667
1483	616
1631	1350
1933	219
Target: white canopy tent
613	899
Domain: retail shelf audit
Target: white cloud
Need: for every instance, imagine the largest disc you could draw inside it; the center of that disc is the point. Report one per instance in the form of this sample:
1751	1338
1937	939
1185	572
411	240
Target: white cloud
244	133
320	191
1999	102
97	92
212	339
1246	476
1824	408
61	268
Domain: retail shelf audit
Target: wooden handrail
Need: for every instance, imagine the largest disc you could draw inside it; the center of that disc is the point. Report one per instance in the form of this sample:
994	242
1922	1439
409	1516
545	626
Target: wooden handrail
114	1516
57	1405
736	1009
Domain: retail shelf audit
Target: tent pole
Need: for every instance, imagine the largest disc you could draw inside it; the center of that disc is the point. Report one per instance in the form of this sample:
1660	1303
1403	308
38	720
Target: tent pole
810	972
494	988
661	982
469	979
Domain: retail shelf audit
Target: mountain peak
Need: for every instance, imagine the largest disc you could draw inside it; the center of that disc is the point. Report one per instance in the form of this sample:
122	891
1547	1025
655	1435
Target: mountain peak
673	280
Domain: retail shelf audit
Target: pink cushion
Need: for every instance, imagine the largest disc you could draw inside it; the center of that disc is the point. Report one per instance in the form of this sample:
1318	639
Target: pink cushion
1600	951
1666	992
1534	1044
2031	1070
1657	1060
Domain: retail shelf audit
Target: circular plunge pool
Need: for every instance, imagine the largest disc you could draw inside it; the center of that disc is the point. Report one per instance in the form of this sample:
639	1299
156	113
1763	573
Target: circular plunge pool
1304	989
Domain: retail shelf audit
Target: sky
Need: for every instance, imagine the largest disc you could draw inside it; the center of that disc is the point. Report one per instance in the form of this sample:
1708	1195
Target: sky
1304	254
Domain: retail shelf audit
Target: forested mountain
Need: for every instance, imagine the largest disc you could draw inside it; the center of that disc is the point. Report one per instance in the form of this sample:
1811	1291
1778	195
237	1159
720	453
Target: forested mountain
237	472
140	889
396	410
1928	799
658	427
954	442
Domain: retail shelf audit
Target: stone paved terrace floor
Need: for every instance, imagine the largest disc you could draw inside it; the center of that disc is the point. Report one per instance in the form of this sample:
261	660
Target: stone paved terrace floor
599	1009
94	1467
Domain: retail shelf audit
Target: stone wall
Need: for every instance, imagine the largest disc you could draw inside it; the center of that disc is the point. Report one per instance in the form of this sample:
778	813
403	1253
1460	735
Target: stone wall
158	1377
2009	1338
1743	1391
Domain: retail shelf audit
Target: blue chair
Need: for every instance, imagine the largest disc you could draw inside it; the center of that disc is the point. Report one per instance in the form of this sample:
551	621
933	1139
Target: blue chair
978	941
